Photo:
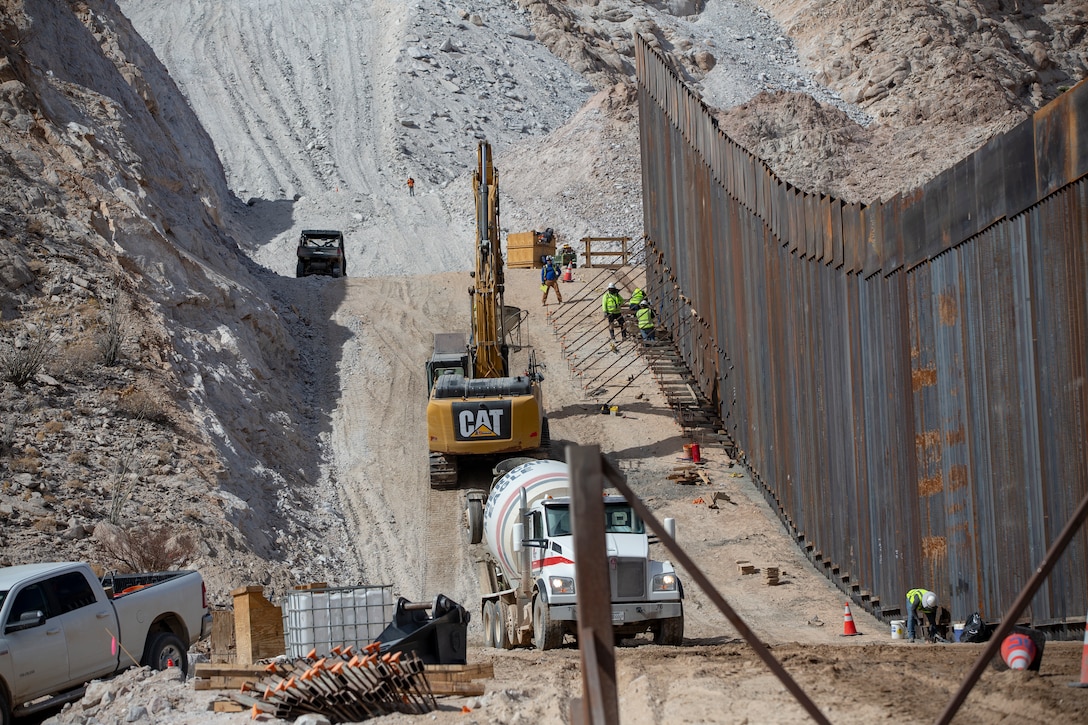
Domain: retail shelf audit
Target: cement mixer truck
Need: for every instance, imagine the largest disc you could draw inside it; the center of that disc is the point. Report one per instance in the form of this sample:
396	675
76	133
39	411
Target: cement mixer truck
527	581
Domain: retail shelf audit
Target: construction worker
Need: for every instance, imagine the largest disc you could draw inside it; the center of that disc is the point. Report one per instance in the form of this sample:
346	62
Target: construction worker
549	280
612	304
645	318
568	256
411	186
921	601
636	299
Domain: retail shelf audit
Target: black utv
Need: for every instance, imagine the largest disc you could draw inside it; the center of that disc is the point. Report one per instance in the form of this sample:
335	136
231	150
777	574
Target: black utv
321	251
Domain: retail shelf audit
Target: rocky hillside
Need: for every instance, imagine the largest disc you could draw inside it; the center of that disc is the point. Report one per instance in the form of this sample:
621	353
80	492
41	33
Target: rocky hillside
134	334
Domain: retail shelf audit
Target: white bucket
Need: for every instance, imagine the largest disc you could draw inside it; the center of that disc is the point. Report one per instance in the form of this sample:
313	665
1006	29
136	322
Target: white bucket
899	628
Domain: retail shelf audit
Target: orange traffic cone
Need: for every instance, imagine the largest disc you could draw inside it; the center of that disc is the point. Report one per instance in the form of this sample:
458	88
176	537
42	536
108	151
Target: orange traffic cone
848	628
1083	660
568	274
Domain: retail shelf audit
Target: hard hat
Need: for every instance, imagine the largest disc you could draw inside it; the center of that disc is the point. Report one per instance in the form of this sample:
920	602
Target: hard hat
644	303
929	600
612	285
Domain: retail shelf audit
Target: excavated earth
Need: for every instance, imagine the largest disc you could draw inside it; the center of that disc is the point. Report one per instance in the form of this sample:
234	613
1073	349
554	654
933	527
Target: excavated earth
159	158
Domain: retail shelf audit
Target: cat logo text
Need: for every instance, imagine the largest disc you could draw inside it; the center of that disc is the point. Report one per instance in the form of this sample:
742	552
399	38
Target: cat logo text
482	421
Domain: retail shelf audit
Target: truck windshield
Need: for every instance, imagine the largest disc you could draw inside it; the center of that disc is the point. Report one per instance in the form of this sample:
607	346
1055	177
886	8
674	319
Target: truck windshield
618	519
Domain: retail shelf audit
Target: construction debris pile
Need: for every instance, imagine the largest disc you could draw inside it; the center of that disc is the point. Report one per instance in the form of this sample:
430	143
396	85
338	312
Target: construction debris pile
344	687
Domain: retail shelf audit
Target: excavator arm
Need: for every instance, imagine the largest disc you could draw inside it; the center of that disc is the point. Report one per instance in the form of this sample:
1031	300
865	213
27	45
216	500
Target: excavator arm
490	356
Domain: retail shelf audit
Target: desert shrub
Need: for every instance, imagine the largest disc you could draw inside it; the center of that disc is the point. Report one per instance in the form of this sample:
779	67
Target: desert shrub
47	523
19	365
139	404
53	427
78	457
111	334
26	464
78	357
148	547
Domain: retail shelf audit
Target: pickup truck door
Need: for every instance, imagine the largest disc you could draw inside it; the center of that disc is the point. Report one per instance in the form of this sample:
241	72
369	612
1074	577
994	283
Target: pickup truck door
39	654
90	625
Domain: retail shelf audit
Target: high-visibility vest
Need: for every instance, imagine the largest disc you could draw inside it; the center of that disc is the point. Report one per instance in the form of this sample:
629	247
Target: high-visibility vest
915	595
645	317
611	303
637	296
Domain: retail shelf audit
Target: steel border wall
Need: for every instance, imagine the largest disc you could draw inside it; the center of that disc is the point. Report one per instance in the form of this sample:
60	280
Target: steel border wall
907	380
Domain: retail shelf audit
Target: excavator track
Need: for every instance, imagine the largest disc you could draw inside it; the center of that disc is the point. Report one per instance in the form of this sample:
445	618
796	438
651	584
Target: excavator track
443	471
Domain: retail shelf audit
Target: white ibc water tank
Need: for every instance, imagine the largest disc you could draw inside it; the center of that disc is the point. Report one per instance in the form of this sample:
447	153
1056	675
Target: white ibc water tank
539	479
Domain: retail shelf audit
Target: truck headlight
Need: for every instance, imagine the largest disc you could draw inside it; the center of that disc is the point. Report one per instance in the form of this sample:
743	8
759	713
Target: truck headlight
561	585
665	583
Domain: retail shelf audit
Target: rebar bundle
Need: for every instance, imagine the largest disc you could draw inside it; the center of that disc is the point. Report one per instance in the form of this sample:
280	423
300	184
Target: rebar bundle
344	686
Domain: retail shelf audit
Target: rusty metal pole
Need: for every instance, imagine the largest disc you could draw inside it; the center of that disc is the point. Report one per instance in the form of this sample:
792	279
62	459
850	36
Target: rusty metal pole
600	702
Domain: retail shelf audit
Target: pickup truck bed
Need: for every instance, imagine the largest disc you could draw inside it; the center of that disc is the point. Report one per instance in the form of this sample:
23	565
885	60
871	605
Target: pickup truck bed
61	629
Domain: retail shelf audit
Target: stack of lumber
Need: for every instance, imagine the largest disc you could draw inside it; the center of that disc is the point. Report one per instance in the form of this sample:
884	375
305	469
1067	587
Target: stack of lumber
689	475
746	567
344	687
771	572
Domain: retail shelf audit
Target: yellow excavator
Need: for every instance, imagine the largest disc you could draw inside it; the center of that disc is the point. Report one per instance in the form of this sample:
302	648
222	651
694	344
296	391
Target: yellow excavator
476	407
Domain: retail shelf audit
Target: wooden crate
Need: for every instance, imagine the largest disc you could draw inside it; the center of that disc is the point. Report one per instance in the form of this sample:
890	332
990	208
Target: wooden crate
258	626
522	251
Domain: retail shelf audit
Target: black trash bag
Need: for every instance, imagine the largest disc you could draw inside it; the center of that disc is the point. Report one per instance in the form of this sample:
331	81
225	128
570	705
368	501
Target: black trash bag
438	638
975	630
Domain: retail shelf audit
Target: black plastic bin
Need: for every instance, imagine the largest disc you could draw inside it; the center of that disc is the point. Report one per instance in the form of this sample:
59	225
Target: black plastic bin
437	638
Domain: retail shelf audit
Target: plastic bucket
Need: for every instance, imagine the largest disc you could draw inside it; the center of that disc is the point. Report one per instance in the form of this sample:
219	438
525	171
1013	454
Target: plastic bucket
687	451
957	631
899	628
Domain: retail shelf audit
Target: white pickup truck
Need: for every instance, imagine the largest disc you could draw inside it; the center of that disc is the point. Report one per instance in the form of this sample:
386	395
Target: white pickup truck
62	628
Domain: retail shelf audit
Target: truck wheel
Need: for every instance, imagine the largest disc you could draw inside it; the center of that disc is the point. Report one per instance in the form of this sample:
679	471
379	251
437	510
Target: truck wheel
300	269
337	270
5	709
670	631
487	617
546	634
499	633
475	513
166	648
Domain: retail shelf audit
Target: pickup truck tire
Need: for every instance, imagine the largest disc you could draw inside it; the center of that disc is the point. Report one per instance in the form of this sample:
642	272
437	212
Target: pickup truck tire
546	634
670	631
300	269
5	708
166	647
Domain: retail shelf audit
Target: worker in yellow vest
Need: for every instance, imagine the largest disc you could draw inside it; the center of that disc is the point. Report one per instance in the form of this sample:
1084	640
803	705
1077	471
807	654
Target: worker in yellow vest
645	319
612	304
921	601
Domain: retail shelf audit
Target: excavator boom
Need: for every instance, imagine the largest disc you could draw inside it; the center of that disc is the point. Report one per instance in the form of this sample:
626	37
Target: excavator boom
488	342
